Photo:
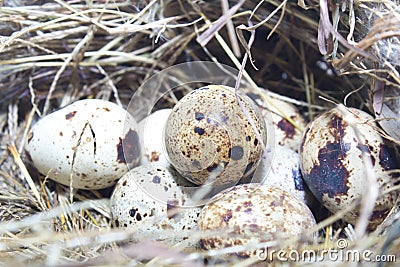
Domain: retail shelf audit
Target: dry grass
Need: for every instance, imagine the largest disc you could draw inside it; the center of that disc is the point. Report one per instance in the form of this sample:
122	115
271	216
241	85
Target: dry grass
55	52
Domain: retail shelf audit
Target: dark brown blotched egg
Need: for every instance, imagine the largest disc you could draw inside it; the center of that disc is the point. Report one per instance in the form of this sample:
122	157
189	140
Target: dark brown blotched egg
334	147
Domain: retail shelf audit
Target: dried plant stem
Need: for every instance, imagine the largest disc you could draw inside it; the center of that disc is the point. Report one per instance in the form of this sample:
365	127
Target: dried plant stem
26	174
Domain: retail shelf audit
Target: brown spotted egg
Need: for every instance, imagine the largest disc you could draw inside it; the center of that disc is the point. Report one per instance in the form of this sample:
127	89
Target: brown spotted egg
88	144
285	133
252	214
209	138
151	201
334	147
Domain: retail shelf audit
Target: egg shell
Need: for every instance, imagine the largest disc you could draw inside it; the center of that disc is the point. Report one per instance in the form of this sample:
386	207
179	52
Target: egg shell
284	172
252	213
332	161
151	131
286	134
92	140
150	199
209	137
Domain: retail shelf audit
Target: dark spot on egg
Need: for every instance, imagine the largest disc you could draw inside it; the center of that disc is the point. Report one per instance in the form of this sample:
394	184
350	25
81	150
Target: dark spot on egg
338	200
248	138
330	176
60	133
132	212
156	179
199	116
106	109
248	204
154	156
199	130
236	152
227	216
338	127
138	217
388	157
128	150
70	115
287	127
255	142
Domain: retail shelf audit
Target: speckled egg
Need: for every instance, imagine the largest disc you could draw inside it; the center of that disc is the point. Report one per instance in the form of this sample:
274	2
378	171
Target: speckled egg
332	161
151	131
251	214
284	172
286	134
209	138
88	144
151	200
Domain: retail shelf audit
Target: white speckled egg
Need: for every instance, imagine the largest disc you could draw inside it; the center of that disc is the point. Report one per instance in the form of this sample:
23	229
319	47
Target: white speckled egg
285	133
283	173
91	141
252	213
209	139
150	200
332	161
151	131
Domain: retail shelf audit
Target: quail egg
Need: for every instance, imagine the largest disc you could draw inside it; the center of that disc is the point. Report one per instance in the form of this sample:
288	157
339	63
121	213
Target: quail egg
151	200
332	165
209	139
286	134
151	131
88	144
284	172
252	214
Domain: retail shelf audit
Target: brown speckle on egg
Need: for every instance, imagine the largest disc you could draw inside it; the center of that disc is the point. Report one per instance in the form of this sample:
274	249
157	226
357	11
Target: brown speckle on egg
70	115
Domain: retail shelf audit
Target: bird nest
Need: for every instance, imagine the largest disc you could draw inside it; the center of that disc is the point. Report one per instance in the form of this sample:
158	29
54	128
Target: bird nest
314	54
